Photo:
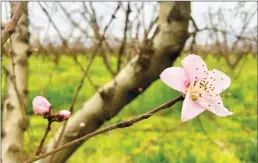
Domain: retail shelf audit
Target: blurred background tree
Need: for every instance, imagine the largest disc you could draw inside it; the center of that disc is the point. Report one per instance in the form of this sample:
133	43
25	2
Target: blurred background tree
98	59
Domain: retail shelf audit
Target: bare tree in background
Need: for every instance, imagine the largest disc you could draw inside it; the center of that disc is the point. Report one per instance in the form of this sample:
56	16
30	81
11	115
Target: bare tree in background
15	122
225	38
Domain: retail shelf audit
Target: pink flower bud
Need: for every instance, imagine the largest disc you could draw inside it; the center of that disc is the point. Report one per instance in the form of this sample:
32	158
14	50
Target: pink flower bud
140	89
63	115
41	105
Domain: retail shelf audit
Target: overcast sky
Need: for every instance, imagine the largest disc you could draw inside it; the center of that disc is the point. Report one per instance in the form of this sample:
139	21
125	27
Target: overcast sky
105	9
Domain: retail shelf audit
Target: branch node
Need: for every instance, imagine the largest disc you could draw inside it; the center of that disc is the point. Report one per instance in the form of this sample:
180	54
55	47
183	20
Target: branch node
125	124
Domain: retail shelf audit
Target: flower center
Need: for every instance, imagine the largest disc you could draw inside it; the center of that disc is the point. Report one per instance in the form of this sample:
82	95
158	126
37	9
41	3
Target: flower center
201	89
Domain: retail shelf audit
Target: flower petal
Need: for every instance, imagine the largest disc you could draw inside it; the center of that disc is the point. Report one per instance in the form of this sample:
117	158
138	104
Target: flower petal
190	109
219	80
195	67
175	78
215	105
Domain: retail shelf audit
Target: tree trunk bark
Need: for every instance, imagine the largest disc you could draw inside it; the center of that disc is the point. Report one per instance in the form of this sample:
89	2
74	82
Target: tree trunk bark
14	113
140	72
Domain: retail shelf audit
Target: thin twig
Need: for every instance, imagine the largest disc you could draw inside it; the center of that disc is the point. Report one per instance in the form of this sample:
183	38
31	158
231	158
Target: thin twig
143	17
153	22
9	28
44	138
151	25
123	45
84	75
88	77
224	31
53	23
243	30
75	24
106	61
194	35
240	68
96	29
124	124
50	77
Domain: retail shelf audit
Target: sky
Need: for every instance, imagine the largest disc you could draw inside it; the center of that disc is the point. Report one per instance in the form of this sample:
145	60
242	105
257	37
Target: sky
105	9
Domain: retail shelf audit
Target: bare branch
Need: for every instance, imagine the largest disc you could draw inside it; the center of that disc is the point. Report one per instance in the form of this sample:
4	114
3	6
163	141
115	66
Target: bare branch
194	35
106	61
243	30
53	23
88	77
124	124
122	47
9	28
43	139
225	31
153	22
96	30
75	24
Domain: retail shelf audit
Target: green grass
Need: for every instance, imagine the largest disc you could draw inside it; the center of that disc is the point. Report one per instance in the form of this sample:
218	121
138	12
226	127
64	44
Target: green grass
222	140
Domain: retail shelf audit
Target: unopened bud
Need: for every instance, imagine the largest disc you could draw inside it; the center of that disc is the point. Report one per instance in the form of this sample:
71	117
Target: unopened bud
41	105
63	115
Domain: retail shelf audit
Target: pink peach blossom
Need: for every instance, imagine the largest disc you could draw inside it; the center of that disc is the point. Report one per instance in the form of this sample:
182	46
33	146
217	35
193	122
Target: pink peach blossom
200	87
41	105
63	115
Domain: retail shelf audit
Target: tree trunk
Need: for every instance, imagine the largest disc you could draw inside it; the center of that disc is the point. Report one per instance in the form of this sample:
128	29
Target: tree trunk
140	72
14	113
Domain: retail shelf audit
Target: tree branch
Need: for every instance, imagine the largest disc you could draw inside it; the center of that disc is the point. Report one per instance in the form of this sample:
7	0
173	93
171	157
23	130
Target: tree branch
53	23
124	124
138	73
44	138
75	24
194	34
122	47
9	28
88	77
224	31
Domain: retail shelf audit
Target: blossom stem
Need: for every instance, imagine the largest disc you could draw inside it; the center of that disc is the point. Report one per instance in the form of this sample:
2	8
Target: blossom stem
44	137
118	125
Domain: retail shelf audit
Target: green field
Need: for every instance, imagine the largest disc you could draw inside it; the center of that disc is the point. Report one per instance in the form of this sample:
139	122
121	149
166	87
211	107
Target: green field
207	139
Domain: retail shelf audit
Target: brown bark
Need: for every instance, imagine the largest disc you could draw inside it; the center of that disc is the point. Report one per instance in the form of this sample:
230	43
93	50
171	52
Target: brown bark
140	72
15	105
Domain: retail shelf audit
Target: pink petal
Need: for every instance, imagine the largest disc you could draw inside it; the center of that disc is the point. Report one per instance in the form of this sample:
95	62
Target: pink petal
190	109
219	80
195	67
41	105
215	105
175	78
